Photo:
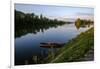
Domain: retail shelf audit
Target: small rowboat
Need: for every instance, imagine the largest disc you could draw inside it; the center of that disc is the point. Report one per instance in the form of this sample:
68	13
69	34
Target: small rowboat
51	45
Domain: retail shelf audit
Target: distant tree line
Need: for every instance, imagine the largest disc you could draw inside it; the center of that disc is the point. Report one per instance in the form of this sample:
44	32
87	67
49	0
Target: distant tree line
29	22
83	23
32	19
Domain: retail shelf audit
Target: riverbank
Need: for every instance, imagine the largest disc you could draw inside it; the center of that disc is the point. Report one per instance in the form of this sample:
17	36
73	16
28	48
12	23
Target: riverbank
80	48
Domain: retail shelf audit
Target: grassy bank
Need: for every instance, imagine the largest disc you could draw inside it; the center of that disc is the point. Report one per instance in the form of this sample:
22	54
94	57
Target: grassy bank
76	48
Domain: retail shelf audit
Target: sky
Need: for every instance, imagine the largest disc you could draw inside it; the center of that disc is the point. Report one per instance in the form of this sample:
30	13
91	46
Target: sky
64	13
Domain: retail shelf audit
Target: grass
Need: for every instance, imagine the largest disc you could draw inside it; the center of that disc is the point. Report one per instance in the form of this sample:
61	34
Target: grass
75	48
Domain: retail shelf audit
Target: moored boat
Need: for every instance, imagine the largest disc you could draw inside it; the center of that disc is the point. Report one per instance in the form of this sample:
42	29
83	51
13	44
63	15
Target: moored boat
51	45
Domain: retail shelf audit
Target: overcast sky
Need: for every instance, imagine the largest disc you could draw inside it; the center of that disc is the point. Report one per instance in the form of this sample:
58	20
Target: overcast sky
59	12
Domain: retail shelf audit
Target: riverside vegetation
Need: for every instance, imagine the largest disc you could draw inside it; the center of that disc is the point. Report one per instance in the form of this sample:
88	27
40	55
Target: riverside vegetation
76	48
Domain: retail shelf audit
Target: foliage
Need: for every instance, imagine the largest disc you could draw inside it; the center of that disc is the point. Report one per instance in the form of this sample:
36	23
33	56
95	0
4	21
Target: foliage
75	48
29	22
82	23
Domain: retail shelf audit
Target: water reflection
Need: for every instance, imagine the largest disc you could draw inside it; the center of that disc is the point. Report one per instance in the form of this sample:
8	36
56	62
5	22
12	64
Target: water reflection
27	47
34	29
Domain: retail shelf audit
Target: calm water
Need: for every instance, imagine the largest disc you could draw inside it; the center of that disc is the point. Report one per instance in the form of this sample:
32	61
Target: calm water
28	46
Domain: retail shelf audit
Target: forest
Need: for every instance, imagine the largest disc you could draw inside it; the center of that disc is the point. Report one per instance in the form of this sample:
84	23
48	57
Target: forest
29	22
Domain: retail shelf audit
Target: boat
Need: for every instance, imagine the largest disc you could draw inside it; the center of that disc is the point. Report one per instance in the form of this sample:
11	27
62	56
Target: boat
51	45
